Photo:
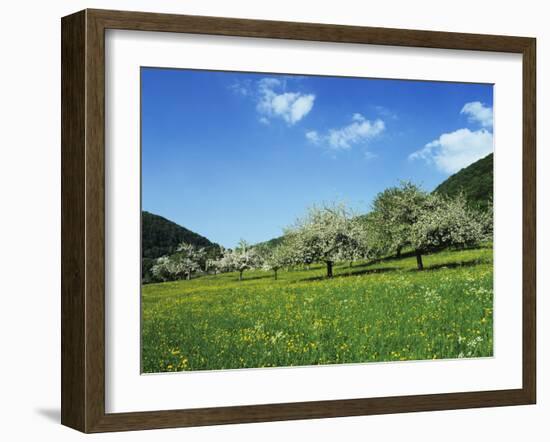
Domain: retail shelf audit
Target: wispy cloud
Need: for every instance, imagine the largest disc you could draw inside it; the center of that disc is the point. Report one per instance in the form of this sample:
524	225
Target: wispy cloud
477	112
273	100
359	131
241	87
370	155
385	112
456	150
313	136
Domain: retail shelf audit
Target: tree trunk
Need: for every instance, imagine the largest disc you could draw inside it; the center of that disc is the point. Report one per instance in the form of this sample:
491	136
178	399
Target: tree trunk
419	260
398	254
188	277
329	269
351	264
275	274
240	275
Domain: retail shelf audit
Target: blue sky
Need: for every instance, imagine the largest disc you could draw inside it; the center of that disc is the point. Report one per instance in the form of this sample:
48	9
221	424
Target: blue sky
240	155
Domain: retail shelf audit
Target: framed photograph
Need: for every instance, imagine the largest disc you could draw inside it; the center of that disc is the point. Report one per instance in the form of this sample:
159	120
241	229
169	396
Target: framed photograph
267	220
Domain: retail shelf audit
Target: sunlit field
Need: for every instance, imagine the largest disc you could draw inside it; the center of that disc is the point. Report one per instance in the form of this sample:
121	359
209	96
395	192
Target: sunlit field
381	311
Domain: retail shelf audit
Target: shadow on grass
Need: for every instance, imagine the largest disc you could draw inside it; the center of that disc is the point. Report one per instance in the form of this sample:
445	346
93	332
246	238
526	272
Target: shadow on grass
352	273
370	263
412	254
452	265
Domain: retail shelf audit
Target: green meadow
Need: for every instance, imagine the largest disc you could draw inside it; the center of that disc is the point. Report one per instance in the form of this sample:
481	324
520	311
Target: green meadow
385	310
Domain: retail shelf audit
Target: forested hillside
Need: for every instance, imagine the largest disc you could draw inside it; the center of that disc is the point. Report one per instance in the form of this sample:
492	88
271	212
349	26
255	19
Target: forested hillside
160	236
475	181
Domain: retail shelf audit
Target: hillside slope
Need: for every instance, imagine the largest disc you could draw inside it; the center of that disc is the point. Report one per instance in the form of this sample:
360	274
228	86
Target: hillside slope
160	236
475	181
270	243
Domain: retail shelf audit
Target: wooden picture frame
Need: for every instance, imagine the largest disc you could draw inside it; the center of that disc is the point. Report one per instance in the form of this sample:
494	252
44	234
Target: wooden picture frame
83	220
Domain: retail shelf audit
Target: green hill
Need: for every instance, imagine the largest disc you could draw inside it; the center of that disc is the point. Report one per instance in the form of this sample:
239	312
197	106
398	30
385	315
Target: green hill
475	181
160	236
270	244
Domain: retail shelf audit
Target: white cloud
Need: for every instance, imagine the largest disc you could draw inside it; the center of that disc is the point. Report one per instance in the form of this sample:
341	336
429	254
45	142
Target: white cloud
370	155
269	83
385	112
301	107
290	106
360	130
456	150
313	136
477	112
241	87
272	99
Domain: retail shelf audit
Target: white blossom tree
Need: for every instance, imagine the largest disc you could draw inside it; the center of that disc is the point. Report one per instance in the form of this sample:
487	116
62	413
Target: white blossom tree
278	257
213	265
243	257
160	269
225	263
299	248
407	216
185	262
325	234
486	219
358	244
444	222
395	210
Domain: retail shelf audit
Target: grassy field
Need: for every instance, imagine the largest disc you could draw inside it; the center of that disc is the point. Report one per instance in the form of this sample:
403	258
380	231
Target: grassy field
384	311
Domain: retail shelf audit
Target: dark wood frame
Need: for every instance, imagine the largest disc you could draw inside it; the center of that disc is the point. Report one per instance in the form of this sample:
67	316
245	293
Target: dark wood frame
83	217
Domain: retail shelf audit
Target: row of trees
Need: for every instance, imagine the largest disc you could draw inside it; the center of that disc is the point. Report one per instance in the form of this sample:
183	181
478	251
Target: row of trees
187	261
407	217
190	260
403	218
